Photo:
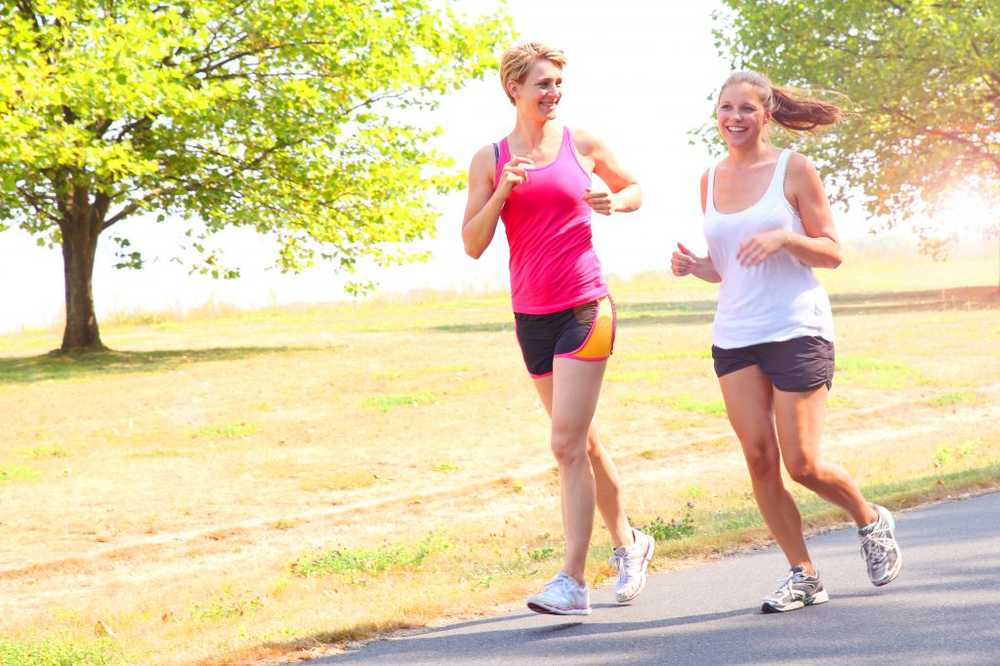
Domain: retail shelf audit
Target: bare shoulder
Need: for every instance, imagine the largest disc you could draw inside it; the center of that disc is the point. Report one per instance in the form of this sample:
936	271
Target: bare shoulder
801	168
586	143
484	157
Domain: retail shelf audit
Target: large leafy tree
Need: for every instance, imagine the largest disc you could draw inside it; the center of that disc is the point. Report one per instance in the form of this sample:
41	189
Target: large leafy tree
294	118
919	78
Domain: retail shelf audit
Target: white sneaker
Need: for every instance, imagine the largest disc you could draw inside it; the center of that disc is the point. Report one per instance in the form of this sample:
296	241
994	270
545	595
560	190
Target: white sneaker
562	596
631	564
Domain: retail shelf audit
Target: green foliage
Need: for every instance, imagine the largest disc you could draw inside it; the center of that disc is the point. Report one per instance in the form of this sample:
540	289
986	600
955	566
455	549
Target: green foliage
920	80
18	473
385	403
50	653
369	560
296	119
675	529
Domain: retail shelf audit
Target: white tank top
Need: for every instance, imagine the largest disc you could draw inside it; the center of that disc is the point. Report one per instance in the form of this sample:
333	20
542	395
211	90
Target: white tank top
779	298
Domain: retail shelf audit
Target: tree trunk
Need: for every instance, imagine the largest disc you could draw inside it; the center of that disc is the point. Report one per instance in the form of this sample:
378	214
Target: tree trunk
80	229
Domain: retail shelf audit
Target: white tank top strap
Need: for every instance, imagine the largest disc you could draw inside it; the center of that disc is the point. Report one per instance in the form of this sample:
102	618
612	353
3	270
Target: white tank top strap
778	179
710	193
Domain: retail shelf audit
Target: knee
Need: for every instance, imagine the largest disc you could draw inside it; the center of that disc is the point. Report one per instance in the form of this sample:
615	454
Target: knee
803	471
762	461
569	447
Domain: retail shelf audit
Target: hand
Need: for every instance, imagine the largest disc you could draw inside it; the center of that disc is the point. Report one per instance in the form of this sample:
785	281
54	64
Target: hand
600	201
683	261
514	173
761	246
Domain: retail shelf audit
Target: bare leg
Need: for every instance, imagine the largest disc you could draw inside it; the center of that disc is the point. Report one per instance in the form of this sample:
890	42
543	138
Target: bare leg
799	418
576	386
748	396
608	486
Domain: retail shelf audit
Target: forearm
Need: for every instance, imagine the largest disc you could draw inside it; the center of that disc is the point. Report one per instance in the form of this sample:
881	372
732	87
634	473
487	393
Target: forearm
478	230
819	252
627	199
704	269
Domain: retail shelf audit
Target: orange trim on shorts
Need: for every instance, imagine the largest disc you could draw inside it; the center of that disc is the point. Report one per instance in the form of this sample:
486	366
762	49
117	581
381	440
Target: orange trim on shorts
600	341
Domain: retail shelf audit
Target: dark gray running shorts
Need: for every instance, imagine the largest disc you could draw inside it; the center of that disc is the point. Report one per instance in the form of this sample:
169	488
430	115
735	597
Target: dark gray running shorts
796	365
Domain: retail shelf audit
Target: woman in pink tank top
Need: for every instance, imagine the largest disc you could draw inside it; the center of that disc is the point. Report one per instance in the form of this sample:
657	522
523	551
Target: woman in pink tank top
538	181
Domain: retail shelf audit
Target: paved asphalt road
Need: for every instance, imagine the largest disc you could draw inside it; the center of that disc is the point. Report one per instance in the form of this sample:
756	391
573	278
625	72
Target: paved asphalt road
943	609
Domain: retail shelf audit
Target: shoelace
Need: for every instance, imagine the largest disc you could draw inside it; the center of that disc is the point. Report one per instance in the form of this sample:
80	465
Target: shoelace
875	546
619	563
784	585
565	584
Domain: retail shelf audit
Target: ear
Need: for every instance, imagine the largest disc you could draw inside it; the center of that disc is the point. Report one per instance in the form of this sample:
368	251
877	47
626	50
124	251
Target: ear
513	87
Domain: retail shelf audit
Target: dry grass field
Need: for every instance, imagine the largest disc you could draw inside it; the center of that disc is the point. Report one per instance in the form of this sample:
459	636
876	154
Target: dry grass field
242	486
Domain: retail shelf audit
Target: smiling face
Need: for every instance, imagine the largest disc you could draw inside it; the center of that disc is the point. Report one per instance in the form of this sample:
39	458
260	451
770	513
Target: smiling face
741	115
539	94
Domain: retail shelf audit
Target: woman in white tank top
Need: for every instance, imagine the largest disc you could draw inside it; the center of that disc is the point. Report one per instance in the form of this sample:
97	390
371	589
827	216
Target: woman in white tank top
768	224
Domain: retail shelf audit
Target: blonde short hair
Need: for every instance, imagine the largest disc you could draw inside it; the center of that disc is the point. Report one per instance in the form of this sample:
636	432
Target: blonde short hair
519	58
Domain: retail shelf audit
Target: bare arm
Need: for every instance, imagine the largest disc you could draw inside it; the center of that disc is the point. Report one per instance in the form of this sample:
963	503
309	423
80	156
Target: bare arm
482	209
625	194
820	247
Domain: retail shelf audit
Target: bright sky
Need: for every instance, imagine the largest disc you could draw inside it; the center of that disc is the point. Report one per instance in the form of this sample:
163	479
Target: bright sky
639	75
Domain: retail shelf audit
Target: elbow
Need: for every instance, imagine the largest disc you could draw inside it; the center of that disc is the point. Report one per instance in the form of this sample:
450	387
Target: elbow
835	258
474	252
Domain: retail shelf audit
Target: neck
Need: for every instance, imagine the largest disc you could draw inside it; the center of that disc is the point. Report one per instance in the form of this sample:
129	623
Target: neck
531	132
747	155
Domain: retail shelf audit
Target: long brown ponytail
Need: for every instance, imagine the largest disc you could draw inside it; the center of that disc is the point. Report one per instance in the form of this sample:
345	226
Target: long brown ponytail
789	109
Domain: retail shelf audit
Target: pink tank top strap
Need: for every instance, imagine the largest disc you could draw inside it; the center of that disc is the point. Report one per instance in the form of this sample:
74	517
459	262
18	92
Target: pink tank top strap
501	154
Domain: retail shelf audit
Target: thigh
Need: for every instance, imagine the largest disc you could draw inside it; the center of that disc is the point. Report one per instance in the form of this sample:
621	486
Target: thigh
544	387
748	395
576	386
799	418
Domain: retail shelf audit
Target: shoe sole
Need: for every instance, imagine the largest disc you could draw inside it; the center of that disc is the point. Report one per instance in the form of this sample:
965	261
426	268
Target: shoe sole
899	554
552	610
647	557
819	598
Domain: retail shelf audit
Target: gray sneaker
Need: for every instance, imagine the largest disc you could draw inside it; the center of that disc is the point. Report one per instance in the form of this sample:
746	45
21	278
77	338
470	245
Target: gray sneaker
796	591
631	564
562	596
879	548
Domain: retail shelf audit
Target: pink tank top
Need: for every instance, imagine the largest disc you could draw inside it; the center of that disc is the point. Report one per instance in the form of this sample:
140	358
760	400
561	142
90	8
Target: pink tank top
553	265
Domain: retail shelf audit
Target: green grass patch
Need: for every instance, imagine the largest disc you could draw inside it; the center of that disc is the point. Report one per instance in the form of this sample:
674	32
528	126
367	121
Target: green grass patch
876	373
387	403
669	531
57	653
541	554
954	398
686	403
18	473
228	430
224	607
369	560
946	456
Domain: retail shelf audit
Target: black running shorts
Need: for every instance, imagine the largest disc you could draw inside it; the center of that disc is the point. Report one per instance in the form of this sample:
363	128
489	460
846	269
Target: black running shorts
583	333
796	365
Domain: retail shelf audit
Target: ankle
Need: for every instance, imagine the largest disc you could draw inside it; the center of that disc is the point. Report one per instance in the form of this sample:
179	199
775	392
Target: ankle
807	568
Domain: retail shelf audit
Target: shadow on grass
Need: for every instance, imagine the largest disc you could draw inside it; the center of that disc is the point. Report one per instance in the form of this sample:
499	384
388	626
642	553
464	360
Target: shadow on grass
54	365
702	312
